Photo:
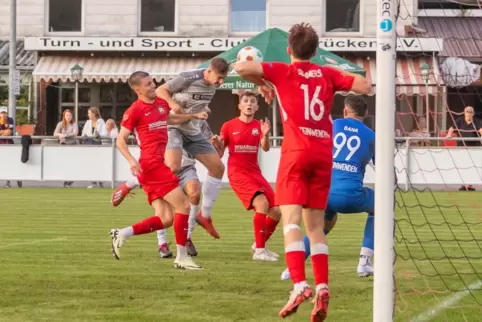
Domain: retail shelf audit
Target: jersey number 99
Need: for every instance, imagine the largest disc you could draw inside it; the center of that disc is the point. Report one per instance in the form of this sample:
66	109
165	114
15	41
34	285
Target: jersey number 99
352	144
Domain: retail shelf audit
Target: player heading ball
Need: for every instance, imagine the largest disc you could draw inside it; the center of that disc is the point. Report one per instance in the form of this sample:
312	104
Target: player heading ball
306	92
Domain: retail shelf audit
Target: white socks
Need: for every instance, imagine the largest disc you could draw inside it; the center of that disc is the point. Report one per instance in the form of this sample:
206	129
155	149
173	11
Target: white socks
210	191
192	220
365	256
181	252
126	232
132	183
161	237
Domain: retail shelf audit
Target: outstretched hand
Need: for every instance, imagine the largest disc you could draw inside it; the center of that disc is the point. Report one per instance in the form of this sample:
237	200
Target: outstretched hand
267	92
265	126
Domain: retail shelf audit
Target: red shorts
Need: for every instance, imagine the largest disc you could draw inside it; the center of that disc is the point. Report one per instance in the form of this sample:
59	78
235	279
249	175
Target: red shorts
248	185
304	179
157	181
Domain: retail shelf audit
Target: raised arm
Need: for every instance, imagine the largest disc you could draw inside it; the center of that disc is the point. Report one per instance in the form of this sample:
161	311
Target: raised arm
173	86
175	118
251	71
265	129
346	81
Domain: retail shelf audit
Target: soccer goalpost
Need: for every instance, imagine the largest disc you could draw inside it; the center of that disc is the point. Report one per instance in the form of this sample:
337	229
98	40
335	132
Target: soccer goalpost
383	295
428	264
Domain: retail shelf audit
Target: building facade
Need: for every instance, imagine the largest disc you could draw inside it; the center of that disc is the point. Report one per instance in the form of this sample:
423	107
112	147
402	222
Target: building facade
112	38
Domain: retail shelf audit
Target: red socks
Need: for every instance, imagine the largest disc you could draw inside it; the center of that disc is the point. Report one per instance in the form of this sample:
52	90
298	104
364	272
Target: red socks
295	261
319	258
181	225
147	225
259	223
270	226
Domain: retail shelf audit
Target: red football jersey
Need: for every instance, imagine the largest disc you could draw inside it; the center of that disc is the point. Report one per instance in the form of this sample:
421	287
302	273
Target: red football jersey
149	124
305	94
242	140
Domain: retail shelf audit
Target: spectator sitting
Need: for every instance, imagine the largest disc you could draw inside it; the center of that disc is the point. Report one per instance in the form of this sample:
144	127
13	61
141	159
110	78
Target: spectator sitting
7	129
420	132
66	131
112	130
94	128
467	127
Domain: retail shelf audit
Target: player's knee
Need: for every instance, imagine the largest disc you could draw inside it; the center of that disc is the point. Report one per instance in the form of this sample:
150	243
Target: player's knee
261	204
217	170
183	207
275	213
195	196
166	218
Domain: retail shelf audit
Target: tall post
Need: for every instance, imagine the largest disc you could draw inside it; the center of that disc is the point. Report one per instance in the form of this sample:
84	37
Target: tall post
383	296
427	106
275	121
12	97
76	105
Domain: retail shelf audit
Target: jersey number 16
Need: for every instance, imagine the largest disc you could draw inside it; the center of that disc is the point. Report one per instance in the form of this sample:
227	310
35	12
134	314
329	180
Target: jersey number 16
311	103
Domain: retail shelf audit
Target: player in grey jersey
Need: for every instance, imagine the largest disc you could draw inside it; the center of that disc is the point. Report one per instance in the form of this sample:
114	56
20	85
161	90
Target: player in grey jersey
189	182
190	92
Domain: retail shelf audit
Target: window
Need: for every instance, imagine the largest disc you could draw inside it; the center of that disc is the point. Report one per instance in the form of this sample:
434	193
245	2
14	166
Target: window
248	16
157	16
64	16
445	4
342	16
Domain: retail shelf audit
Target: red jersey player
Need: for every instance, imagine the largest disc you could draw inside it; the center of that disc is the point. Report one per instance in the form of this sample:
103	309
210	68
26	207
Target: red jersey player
148	118
305	92
243	136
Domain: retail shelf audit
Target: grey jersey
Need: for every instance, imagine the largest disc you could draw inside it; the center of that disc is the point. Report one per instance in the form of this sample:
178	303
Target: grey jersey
191	92
187	160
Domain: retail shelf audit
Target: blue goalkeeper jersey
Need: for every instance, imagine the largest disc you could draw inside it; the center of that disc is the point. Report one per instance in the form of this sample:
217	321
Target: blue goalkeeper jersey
353	148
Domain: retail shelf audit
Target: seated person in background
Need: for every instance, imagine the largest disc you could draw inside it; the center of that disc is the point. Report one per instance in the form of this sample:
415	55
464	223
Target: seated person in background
7	129
421	132
467	127
94	128
66	130
112	130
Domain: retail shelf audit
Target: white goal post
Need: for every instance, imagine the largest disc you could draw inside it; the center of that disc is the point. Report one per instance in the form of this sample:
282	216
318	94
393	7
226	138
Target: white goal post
383	295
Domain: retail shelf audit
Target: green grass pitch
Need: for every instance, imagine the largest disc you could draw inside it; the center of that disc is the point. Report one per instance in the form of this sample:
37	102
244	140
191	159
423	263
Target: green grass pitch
56	263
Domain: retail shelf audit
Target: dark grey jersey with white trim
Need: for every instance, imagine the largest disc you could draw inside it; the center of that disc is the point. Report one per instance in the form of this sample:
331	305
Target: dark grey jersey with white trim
191	92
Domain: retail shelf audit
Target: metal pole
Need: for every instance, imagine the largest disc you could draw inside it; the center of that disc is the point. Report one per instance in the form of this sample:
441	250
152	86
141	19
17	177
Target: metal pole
383	297
427	107
12	98
275	121
76	94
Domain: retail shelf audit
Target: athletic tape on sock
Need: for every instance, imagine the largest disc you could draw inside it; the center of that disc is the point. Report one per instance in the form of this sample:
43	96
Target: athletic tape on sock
290	227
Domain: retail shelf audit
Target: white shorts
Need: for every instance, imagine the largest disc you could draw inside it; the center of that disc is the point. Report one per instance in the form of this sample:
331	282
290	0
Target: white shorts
187	174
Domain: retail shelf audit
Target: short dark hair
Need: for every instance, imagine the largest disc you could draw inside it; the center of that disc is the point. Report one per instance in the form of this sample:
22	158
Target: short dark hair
219	65
248	94
135	78
357	104
303	41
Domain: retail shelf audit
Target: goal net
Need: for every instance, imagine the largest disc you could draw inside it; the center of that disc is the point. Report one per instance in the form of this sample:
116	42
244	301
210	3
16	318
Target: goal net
438	216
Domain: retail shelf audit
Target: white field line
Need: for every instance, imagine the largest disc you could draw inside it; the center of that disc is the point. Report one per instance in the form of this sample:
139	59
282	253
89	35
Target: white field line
448	302
34	242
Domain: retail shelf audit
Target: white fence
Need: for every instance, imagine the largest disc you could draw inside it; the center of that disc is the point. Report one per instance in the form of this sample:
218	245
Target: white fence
52	162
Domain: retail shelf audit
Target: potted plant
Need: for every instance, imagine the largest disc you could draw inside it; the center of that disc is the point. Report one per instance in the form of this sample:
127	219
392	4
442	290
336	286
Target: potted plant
24	125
